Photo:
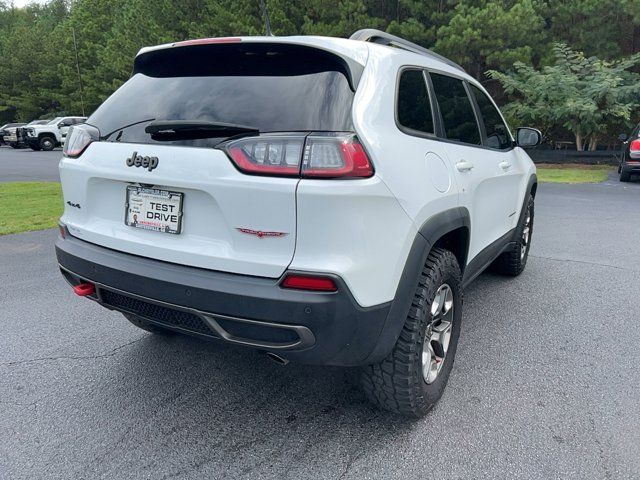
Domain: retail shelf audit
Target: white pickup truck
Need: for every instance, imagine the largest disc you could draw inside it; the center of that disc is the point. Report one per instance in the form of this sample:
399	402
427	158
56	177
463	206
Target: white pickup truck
51	135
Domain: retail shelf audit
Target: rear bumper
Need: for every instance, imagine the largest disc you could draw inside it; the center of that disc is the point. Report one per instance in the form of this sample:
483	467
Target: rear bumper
631	167
327	328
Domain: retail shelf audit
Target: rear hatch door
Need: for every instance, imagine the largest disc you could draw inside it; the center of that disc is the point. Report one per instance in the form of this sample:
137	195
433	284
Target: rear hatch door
228	220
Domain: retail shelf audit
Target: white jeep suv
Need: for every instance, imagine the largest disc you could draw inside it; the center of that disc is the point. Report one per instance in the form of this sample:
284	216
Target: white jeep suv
320	199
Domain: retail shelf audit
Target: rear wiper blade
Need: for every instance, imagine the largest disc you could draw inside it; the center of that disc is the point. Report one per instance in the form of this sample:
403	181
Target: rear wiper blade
196	129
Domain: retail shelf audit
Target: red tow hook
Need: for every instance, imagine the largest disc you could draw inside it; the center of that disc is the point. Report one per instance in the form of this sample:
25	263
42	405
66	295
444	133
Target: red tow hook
84	289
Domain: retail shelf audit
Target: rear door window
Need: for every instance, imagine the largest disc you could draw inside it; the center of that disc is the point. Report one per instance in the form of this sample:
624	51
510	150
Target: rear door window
413	107
458	117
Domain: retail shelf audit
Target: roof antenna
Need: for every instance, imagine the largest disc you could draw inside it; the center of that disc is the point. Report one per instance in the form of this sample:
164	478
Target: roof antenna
267	24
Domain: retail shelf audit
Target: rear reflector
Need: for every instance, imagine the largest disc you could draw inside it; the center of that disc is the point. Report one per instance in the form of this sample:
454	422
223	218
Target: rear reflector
300	155
84	289
309	282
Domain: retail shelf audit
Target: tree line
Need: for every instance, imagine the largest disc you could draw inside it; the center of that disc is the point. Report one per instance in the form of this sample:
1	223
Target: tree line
568	66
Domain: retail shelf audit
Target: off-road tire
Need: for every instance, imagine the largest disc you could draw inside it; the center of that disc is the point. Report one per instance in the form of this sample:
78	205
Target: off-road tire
512	262
397	383
147	326
47	143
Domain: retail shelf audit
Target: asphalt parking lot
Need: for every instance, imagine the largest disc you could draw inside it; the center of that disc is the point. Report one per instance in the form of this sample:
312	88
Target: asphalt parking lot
25	165
545	386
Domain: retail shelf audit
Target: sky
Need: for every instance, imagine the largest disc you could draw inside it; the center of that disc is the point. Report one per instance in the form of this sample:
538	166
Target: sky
22	3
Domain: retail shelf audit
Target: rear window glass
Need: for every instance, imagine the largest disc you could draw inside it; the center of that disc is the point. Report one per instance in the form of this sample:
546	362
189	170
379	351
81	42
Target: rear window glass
414	110
267	86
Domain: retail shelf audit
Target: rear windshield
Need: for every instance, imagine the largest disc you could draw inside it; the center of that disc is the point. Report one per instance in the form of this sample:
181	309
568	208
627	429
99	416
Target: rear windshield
271	87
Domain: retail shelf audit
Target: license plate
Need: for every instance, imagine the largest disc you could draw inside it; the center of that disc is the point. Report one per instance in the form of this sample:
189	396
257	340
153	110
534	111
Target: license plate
154	209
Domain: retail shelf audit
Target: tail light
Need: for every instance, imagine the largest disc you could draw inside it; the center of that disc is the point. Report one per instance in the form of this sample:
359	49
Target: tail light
267	155
301	155
315	283
79	137
634	149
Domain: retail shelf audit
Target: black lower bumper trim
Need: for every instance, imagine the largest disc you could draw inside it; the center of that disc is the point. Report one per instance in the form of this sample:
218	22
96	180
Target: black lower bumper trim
309	327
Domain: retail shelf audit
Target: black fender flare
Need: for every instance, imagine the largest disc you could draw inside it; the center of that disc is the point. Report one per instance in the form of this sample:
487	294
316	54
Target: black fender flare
531	185
428	234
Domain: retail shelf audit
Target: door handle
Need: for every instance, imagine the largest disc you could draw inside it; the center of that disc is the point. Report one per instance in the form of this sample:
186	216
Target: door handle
505	165
464	166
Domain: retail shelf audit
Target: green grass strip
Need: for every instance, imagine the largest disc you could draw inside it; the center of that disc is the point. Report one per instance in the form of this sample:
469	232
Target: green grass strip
27	206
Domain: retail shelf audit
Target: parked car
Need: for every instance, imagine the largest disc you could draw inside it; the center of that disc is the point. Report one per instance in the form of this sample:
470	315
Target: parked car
323	200
630	155
50	135
16	137
6	131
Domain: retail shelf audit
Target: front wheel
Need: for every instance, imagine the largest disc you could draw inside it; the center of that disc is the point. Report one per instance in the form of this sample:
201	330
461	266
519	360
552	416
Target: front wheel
47	143
512	263
413	376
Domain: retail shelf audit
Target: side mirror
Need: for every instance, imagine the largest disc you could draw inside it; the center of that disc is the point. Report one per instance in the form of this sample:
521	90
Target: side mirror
62	124
528	137
623	137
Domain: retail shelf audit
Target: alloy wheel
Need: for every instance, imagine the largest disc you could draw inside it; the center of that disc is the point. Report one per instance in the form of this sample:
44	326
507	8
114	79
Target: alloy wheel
438	334
526	234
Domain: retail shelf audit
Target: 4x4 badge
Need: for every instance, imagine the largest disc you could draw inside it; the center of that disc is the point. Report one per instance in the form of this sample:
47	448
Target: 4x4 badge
145	162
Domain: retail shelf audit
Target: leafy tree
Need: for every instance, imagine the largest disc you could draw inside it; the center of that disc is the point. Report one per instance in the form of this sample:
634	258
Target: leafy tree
493	34
602	28
38	72
584	94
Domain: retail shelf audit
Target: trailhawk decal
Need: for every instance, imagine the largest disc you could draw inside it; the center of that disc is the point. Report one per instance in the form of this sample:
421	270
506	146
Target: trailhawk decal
260	233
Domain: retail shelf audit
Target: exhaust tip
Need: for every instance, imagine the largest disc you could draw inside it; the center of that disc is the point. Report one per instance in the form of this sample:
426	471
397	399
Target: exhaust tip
277	358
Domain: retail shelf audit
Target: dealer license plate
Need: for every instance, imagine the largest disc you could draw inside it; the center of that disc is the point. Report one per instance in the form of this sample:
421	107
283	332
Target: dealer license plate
154	209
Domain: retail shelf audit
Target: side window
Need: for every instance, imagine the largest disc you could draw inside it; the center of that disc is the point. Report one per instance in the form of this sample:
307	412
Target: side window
455	106
497	132
413	108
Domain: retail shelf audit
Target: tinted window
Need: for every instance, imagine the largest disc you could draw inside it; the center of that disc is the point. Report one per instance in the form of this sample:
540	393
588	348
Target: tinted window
457	113
497	132
268	86
414	110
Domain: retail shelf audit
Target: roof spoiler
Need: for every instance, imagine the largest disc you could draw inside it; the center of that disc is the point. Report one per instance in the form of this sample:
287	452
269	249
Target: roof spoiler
382	38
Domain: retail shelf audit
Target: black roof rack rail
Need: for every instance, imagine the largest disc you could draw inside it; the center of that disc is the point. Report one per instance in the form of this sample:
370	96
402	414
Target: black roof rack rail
378	36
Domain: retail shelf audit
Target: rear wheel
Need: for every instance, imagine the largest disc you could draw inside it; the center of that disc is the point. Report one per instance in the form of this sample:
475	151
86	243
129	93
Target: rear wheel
47	143
625	176
413	376
14	145
147	326
512	263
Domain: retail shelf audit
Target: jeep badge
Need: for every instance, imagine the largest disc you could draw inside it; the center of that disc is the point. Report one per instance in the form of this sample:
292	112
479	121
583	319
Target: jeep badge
145	162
